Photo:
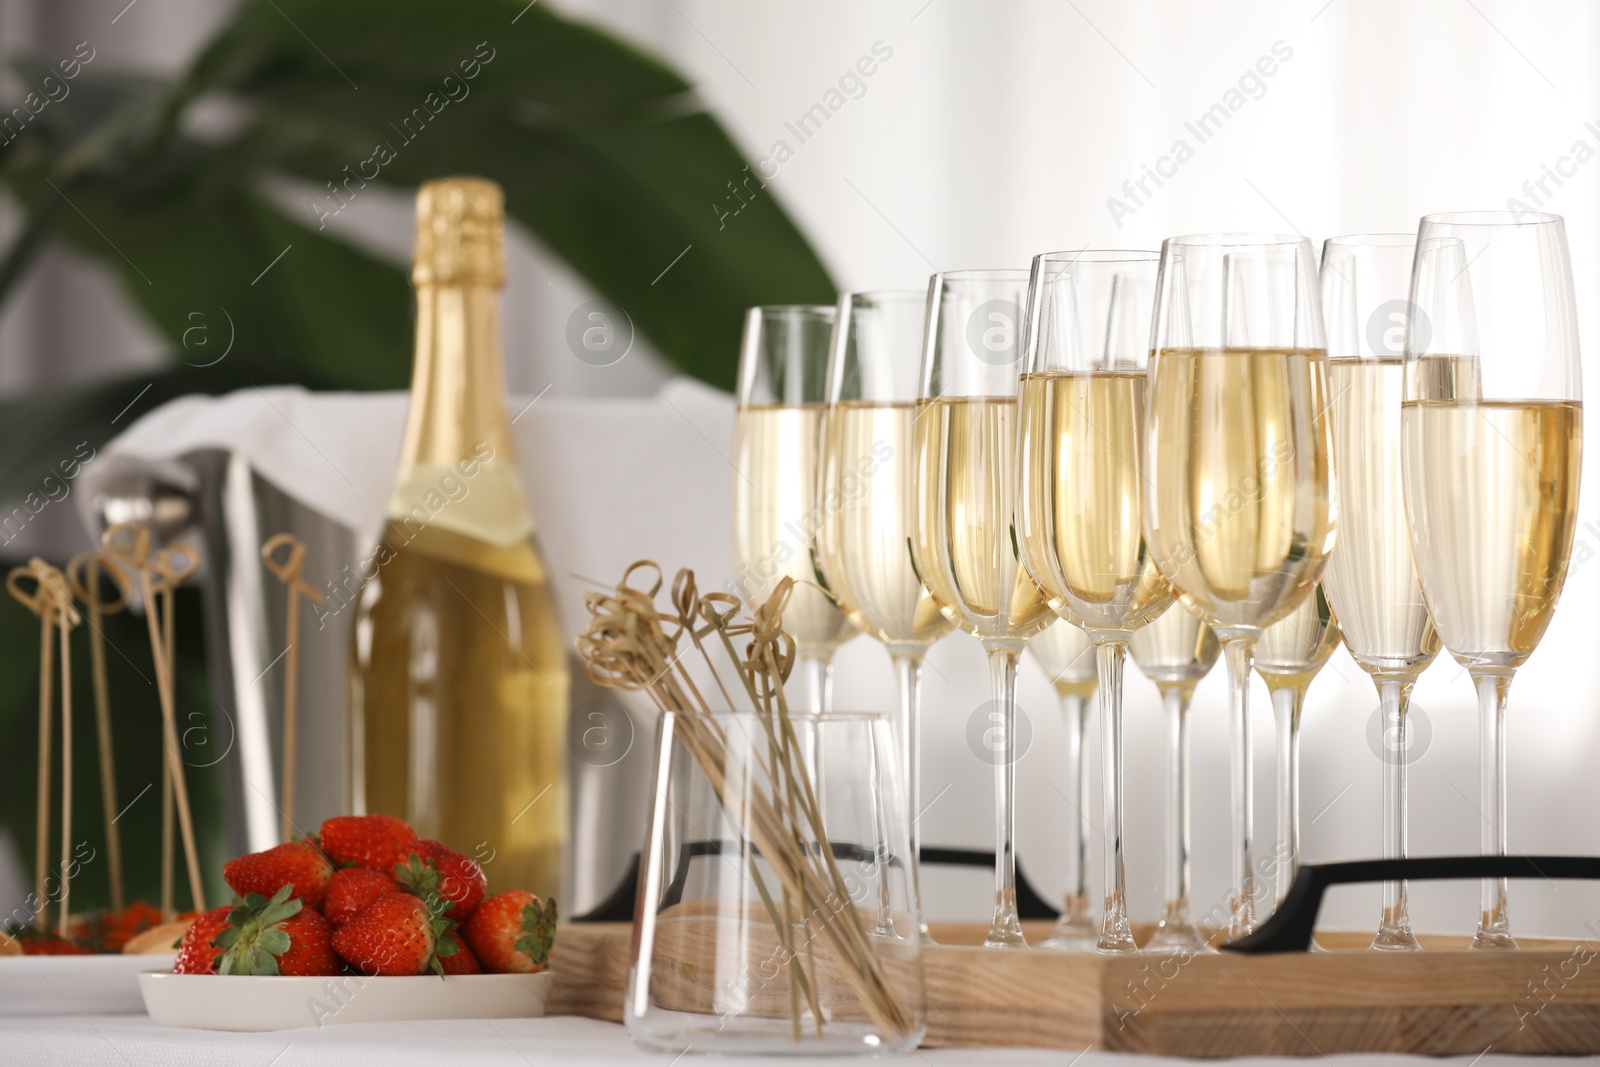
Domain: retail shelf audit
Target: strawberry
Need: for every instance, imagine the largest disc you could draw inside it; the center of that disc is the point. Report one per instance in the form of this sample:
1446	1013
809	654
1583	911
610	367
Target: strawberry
352	889
434	871
115	929
461	961
282	935
51	945
512	932
196	953
397	934
297	864
379	841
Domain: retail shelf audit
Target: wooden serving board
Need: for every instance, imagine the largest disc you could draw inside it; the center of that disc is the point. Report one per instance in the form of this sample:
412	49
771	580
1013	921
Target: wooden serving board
1445	1001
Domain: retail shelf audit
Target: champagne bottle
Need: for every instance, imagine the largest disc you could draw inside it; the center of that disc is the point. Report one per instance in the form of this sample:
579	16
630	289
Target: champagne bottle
459	685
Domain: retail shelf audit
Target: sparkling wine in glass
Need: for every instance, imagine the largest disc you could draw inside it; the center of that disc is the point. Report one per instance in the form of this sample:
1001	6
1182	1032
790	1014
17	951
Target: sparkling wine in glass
869	505
1175	652
1371	578
777	446
1080	488
1239	500
1491	445
1289	655
966	541
1067	656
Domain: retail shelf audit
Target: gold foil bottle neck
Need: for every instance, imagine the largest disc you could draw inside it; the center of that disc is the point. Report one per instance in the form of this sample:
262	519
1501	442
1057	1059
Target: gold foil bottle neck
459	242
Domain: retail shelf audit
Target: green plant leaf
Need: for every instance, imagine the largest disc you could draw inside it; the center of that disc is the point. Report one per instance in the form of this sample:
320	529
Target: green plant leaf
603	152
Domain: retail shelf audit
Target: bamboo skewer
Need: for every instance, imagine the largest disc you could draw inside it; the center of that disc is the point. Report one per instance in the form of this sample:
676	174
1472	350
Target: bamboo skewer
83	575
41	845
161	573
288	572
51	600
66	618
165	663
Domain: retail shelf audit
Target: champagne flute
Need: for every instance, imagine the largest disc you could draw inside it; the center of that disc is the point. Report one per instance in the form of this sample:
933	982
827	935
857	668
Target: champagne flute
1371	580
1067	656
1491	425
965	548
1175	652
869	505
1240	506
1288	656
777	442
1080	488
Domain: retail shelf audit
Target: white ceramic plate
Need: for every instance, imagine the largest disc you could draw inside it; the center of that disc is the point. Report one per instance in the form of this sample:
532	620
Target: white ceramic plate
241	1002
61	985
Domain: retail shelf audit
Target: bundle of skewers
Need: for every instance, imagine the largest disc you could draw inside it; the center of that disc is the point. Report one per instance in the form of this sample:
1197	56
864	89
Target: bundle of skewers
94	585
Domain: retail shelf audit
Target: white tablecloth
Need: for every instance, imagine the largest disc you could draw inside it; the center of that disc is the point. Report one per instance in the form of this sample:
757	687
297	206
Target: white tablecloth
134	1041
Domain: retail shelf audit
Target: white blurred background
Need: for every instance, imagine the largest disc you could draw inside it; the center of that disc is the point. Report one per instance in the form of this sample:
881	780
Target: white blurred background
997	130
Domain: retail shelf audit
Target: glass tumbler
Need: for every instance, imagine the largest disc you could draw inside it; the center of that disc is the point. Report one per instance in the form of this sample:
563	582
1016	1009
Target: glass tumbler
752	939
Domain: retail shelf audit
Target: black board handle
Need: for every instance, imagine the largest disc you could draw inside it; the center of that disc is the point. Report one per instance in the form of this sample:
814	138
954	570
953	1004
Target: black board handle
1289	929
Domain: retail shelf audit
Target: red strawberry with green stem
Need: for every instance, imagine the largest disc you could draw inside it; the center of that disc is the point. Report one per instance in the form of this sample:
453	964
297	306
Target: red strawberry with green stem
436	871
379	841
512	932
196	953
396	935
461	961
277	936
352	890
298	864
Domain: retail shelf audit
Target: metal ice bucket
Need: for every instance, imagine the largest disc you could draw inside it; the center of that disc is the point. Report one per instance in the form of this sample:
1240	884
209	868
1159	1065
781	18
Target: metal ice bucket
227	511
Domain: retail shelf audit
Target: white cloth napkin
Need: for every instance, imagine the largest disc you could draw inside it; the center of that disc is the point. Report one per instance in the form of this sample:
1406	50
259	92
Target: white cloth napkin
608	481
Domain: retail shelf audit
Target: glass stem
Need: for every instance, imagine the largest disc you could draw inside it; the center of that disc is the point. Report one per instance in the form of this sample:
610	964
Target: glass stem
1287	702
1176	700
907	730
1115	933
1494	927
1074	717
815	668
1240	654
1006	929
816	676
1394	699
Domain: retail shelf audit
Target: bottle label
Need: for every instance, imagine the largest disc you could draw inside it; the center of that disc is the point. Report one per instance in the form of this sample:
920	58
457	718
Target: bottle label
483	501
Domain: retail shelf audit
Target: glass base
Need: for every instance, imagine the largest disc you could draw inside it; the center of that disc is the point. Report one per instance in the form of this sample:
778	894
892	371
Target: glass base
1005	929
927	938
1005	939
1178	936
1396	939
747	1036
1494	941
1078	934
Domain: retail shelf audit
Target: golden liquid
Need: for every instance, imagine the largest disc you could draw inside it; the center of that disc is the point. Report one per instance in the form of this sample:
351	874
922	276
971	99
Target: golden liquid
1292	650
870	508
966	548
1176	648
777	514
1242	513
1371	578
1067	656
1492	494
1080	513
459	702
